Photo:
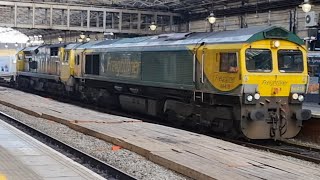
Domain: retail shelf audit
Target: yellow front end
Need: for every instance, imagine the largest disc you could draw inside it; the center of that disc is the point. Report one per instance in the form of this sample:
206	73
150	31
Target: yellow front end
20	61
67	64
274	78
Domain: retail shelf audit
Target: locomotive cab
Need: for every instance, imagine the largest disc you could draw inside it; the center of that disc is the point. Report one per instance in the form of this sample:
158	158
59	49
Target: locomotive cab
254	82
274	82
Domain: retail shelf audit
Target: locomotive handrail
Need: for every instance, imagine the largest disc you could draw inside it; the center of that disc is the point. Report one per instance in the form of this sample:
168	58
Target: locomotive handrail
194	67
202	66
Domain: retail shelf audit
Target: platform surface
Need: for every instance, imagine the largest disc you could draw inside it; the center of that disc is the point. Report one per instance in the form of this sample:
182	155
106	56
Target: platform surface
24	158
194	155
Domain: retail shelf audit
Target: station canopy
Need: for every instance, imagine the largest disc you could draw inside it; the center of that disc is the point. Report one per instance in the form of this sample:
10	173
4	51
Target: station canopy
189	9
185	6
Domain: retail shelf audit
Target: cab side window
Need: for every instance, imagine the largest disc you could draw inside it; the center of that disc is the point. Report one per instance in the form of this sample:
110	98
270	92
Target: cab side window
228	62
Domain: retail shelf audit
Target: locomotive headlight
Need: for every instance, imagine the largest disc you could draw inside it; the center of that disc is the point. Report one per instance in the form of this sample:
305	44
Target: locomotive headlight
276	44
301	98
295	96
257	96
249	98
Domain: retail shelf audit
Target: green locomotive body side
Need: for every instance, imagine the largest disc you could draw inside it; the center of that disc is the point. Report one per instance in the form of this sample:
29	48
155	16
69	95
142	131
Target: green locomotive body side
159	69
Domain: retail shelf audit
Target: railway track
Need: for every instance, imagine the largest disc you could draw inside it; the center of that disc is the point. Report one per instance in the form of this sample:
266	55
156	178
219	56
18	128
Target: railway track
105	170
285	148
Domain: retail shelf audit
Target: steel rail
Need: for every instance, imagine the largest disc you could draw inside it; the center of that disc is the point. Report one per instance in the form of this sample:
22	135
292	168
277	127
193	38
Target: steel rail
300	146
105	170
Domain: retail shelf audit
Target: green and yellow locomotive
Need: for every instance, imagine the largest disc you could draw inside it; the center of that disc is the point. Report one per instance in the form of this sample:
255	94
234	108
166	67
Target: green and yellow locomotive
248	82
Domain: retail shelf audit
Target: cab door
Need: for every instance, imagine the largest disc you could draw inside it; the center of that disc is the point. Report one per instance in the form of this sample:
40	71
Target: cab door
65	66
199	74
227	75
199	68
78	64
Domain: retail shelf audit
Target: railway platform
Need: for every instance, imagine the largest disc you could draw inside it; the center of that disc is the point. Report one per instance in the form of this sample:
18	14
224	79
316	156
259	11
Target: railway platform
311	128
23	157
314	107
194	155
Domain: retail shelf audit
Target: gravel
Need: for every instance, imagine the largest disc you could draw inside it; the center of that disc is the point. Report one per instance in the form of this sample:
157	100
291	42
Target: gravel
292	159
304	143
299	161
125	160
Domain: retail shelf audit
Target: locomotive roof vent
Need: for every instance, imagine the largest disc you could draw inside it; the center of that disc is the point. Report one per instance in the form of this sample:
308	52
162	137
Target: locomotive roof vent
174	36
178	36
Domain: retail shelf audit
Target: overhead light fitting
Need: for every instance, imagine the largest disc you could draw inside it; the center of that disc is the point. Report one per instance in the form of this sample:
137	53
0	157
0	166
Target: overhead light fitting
306	6
88	39
16	44
60	39
82	36
153	26
211	18
108	34
6	45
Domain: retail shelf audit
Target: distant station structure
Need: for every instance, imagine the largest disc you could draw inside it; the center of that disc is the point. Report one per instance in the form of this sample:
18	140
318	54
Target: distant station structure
65	20
51	18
